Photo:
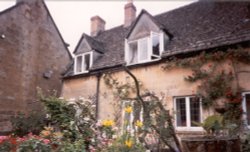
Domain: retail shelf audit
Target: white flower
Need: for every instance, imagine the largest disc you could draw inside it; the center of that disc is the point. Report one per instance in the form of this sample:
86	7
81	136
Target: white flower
61	98
86	119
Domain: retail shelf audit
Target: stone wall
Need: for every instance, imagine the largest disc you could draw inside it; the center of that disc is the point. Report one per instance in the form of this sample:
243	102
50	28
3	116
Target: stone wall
32	54
169	83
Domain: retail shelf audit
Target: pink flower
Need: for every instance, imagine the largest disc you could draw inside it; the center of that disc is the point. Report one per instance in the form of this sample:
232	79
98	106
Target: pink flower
2	138
46	141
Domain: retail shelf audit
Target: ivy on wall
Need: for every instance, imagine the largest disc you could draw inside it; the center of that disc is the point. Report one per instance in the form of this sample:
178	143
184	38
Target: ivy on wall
217	76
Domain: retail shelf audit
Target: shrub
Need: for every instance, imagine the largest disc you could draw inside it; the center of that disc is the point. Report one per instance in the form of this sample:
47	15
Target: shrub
23	124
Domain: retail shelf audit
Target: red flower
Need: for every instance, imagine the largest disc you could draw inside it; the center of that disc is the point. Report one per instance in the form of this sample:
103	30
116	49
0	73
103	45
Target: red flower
46	141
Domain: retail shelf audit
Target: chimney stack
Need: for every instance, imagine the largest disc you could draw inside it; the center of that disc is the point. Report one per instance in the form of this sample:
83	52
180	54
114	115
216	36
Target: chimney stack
97	25
129	13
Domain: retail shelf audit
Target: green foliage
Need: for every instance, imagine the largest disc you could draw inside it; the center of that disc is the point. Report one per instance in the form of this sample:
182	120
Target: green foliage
32	145
119	89
61	115
5	146
76	146
213	124
122	144
215	87
23	124
245	142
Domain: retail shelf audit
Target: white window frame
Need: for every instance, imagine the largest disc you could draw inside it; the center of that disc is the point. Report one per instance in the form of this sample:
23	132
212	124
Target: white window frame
131	115
161	41
244	108
83	62
149	48
188	117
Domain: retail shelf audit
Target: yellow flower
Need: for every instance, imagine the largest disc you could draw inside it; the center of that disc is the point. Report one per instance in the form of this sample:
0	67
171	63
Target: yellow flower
108	123
138	123
129	143
128	109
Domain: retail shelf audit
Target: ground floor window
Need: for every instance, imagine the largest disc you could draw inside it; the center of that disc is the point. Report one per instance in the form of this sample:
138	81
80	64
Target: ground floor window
188	112
132	113
246	108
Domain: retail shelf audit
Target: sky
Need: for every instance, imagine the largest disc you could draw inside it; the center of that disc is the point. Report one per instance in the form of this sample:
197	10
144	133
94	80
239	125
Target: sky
72	17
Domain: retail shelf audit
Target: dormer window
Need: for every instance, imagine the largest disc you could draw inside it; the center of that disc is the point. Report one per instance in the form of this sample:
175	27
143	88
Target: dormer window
82	63
144	49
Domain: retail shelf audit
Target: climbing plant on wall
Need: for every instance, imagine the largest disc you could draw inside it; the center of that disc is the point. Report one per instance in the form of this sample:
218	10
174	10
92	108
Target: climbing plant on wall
217	76
157	120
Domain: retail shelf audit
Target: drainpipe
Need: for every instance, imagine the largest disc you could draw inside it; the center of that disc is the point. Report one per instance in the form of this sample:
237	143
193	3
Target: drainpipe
98	76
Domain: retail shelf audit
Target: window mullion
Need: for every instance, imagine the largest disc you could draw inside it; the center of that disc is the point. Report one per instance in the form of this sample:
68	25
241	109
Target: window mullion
150	51
138	51
188	112
83	62
161	38
75	65
91	59
126	48
244	108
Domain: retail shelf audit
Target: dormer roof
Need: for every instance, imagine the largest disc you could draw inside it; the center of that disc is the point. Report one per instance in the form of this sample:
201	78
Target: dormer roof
88	43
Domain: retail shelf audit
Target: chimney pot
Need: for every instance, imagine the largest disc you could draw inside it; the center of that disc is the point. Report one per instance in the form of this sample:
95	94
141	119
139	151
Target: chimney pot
129	13
97	25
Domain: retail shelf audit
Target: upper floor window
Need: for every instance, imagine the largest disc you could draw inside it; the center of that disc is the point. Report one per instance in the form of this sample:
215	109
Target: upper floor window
188	112
82	63
144	49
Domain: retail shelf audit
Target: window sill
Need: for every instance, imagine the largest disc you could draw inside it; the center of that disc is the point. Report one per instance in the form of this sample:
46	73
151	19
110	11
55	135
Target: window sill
81	72
187	129
142	62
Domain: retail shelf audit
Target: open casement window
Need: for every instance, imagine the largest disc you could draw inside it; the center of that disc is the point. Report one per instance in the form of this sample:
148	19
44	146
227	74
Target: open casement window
82	63
145	49
157	45
188	112
129	119
246	108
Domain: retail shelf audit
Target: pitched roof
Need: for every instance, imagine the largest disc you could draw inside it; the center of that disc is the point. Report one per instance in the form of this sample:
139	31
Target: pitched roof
205	25
198	26
93	43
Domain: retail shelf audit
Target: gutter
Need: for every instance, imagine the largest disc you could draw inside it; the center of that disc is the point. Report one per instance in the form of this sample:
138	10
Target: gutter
98	76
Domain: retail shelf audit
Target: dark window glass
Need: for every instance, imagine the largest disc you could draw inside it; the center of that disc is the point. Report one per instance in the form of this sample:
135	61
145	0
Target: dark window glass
194	111
87	62
133	52
79	64
248	108
181	112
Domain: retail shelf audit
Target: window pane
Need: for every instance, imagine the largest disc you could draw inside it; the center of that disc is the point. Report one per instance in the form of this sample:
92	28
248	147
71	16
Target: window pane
86	62
195	111
248	108
133	53
137	112
143	49
79	64
181	112
156	45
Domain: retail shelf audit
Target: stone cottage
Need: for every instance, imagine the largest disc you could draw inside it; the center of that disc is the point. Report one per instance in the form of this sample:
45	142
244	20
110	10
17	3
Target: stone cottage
32	54
146	43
